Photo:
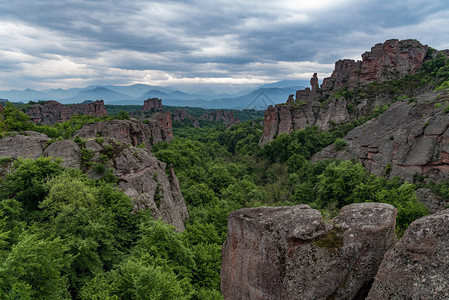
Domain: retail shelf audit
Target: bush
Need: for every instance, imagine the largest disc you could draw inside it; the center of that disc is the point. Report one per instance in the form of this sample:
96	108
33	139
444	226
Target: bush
340	144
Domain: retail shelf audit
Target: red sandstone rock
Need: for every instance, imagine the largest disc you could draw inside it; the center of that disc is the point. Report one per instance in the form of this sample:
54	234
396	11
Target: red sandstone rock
289	253
51	112
152	105
224	116
315	107
161	128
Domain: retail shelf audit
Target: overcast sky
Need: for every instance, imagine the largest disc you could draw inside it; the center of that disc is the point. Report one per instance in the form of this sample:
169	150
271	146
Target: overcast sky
75	43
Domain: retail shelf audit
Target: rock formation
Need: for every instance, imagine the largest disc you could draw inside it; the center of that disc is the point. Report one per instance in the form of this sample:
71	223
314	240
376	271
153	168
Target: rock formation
224	116
30	144
161	129
142	177
327	105
132	132
289	253
181	115
417	267
95	108
430	200
51	112
407	139
152	105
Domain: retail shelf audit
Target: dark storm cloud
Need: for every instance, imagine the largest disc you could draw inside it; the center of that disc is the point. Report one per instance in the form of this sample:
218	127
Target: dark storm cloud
75	42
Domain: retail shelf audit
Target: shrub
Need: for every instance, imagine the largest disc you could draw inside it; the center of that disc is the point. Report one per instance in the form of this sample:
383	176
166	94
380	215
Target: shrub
340	144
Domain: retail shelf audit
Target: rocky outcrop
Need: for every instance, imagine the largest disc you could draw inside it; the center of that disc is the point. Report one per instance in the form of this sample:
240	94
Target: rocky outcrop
30	144
406	140
161	128
51	112
430	200
384	62
152	105
141	176
338	100
112	145
182	115
227	117
66	149
132	132
289	253
95	108
417	266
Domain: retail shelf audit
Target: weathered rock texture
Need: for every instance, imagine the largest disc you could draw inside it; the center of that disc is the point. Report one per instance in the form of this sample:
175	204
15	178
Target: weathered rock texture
289	253
417	267
161	127
51	112
152	105
28	145
406	140
324	107
430	200
141	176
384	62
182	115
132	131
224	116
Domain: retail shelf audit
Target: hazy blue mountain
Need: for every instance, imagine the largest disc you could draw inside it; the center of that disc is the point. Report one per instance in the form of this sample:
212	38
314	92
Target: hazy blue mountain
25	95
137	90
235	96
287	83
59	94
258	99
97	93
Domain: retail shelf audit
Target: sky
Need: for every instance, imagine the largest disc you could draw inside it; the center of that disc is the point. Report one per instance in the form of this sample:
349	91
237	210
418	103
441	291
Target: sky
76	43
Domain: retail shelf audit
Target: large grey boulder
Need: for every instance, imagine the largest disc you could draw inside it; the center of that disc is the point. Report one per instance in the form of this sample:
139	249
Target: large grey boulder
290	253
28	145
417	267
68	150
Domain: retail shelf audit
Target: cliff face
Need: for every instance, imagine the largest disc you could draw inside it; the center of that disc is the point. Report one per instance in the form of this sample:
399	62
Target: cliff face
226	117
325	107
51	112
384	62
407	139
142	177
289	253
161	127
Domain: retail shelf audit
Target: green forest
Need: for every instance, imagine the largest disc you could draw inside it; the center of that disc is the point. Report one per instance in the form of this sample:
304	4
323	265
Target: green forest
64	235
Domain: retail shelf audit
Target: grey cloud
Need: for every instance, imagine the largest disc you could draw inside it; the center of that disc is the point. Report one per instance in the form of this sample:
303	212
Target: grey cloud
185	38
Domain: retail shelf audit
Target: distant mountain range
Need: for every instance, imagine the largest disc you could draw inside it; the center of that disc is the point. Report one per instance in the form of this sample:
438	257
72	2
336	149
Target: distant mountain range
257	98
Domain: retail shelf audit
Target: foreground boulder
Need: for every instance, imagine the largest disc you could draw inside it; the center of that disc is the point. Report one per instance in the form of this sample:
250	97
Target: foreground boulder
417	267
289	253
